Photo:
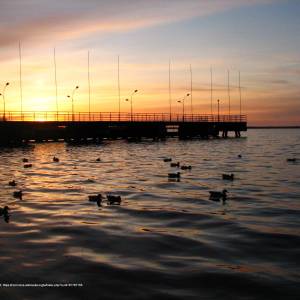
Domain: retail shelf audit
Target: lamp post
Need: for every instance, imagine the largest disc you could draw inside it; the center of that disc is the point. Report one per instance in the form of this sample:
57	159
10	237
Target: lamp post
182	101
72	99
3	96
131	110
218	110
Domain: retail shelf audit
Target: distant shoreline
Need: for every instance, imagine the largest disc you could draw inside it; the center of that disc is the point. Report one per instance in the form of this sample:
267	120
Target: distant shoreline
273	127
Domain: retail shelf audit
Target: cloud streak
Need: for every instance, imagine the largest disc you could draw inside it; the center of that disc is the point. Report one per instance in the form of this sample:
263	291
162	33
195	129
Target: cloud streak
41	20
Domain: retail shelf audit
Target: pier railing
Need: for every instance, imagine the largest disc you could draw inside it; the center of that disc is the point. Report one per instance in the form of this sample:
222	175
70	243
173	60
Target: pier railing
116	117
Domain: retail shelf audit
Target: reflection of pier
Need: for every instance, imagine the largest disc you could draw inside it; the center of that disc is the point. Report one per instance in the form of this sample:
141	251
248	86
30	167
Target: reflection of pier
45	126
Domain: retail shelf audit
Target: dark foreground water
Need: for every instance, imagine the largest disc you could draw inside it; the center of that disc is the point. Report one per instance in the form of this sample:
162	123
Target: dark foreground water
166	240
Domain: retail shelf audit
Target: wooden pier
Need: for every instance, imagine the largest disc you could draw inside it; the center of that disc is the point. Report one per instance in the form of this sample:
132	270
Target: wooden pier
16	128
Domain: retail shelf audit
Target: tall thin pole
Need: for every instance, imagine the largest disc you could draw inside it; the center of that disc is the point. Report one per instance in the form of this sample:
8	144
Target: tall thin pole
218	110
240	92
131	110
20	73
3	96
211	90
119	90
170	97
55	81
191	72
228	88
89	85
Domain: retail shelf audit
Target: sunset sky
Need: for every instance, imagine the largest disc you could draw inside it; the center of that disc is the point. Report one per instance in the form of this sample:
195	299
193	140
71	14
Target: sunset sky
258	37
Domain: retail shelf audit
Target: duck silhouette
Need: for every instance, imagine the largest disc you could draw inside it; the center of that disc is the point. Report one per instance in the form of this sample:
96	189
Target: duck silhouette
217	196
98	159
4	210
55	159
4	213
167	159
111	199
25	160
291	159
174	175
12	183
175	165
18	194
26	166
186	168
96	198
228	176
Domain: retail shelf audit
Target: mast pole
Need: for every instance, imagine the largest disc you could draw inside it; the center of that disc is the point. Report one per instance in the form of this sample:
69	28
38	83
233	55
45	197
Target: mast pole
228	88
89	84
191	71
240	93
119	90
170	97
55	82
20	73
211	90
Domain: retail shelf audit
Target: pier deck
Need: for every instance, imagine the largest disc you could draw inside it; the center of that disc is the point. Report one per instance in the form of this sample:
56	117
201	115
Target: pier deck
46	126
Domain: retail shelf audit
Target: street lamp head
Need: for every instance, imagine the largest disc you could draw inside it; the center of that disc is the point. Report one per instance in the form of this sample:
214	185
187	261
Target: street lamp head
0	94
179	101
187	95
135	91
77	87
68	96
7	83
127	99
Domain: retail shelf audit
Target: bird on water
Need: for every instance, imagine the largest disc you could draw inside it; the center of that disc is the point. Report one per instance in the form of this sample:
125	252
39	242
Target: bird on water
228	176
111	199
186	168
4	213
167	159
18	194
12	183
217	196
174	175
96	198
4	210
175	165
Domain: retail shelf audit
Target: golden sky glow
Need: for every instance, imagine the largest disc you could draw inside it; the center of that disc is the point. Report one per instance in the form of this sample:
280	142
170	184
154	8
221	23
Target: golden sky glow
223	34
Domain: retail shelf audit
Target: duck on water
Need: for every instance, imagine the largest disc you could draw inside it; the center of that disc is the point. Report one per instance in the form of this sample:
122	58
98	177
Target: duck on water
217	196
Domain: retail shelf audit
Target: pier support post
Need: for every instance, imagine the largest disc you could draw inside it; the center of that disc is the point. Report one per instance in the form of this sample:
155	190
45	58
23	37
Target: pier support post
225	134
237	134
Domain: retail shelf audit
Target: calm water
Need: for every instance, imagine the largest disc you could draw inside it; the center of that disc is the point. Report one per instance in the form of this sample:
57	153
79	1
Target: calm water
167	239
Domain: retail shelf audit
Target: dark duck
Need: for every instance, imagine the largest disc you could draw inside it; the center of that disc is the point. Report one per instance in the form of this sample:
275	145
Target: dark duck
217	196
174	175
12	183
4	213
111	199
186	168
96	198
228	176
167	159
18	194
175	165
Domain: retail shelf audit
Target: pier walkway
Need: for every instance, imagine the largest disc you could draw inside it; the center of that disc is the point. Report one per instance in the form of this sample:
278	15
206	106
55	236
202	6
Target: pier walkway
16	127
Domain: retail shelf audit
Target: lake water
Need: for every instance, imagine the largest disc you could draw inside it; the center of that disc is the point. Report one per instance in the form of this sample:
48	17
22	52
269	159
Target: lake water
166	240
